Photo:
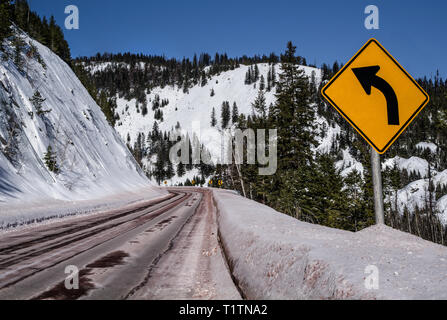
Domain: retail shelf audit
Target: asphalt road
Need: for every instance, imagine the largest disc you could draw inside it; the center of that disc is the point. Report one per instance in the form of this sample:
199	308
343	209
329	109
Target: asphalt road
162	249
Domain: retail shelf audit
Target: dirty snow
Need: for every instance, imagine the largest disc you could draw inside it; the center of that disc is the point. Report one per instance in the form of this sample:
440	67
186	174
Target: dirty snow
274	256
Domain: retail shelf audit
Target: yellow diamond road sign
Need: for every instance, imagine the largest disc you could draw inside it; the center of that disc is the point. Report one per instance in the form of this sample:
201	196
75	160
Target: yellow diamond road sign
376	95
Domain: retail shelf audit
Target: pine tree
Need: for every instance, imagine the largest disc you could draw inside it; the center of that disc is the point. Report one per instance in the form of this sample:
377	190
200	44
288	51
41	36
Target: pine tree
18	44
181	170
262	84
186	86
163	167
273	76
144	110
159	115
51	161
213	118
248	76
203	78
234	114
335	67
159	171
21	10
156	103
294	119
391	185
5	21
256	73
269	82
53	35
225	114
259	105
169	170
292	114
107	106
138	151
328	186
37	101
354	201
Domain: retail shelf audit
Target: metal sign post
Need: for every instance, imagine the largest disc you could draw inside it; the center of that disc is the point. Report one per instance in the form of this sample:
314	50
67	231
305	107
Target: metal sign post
377	186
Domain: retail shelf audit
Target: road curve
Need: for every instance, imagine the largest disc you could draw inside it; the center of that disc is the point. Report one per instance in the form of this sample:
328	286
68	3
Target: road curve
163	249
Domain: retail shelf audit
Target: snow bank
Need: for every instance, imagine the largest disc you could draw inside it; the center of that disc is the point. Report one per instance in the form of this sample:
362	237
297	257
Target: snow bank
274	256
22	215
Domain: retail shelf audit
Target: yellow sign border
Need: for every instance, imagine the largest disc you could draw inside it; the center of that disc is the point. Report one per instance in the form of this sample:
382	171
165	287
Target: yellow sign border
404	127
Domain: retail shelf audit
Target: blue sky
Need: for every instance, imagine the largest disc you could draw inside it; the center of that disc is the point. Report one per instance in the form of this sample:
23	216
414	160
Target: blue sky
323	30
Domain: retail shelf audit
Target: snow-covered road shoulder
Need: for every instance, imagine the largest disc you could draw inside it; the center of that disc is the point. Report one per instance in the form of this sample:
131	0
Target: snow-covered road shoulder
274	256
25	215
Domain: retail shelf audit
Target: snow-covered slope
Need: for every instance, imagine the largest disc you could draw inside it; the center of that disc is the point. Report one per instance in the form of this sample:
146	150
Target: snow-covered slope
93	160
195	106
415	194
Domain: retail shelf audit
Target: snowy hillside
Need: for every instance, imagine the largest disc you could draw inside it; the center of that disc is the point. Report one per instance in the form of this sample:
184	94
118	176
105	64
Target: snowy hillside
192	110
91	158
415	194
196	106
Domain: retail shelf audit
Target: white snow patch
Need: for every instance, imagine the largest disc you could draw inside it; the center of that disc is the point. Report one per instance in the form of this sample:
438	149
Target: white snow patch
348	164
329	133
415	164
427	145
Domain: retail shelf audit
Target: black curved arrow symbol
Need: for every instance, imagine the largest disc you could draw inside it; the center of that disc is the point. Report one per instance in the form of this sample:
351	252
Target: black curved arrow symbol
368	78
